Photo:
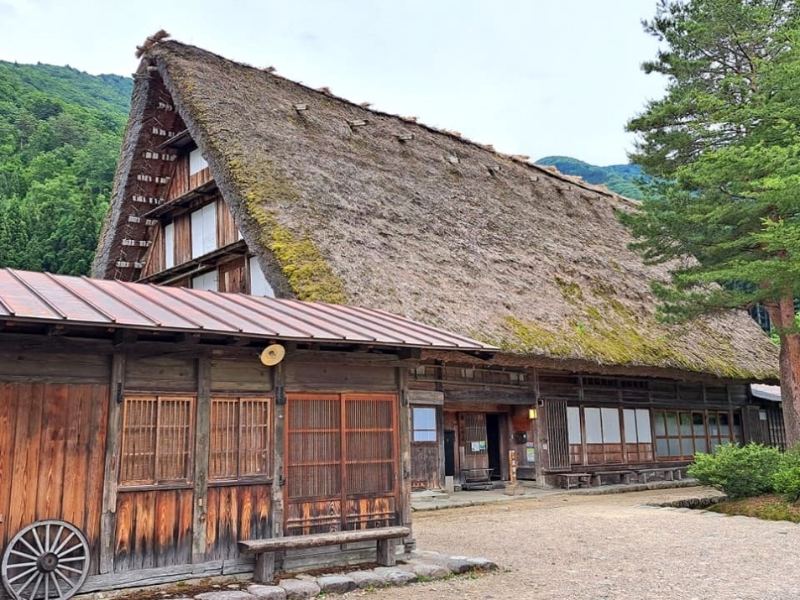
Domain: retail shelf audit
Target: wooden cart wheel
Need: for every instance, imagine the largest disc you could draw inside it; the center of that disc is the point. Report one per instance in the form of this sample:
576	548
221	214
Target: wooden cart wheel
46	560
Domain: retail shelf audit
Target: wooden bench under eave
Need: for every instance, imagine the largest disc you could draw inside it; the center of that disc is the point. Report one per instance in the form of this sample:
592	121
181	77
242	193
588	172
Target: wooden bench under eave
264	550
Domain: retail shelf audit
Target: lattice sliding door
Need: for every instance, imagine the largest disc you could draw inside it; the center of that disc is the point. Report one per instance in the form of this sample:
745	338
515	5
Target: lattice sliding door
370	459
557	440
341	461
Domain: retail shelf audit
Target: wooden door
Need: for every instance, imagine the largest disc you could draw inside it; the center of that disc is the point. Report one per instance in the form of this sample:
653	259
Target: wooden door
341	461
52	449
475	441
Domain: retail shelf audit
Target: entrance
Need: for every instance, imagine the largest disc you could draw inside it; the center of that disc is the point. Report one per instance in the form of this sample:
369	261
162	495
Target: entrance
493	445
449	453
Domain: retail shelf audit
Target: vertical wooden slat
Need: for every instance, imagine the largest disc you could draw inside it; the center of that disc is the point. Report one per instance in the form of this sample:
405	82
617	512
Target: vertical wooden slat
558	443
111	466
201	448
9	405
279	440
404	466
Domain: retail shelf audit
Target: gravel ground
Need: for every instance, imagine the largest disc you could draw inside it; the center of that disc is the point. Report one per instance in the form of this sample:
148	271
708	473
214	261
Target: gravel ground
596	547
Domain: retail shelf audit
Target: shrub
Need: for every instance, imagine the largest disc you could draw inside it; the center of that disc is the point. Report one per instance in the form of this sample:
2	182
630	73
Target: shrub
787	479
739	471
787	483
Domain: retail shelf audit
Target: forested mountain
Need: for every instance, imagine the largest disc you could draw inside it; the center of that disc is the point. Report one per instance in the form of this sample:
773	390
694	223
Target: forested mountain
622	179
60	131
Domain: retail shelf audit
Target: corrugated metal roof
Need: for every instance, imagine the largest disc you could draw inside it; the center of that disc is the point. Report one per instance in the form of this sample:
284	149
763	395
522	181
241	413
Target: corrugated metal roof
42	297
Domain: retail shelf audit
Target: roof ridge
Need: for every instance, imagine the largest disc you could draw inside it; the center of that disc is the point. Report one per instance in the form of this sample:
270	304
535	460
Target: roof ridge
270	72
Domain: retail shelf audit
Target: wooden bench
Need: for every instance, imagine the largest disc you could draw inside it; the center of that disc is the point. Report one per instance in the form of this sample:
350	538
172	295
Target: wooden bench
264	550
624	475
670	473
579	479
476	479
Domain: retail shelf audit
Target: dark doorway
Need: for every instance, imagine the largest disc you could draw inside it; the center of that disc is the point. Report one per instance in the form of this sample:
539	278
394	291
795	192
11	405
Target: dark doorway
449	453
493	445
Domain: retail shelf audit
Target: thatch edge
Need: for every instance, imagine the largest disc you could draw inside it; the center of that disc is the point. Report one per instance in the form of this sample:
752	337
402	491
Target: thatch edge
512	360
103	263
412	122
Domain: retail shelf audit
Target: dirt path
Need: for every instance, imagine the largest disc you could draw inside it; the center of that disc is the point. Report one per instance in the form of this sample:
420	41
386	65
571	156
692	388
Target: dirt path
598	547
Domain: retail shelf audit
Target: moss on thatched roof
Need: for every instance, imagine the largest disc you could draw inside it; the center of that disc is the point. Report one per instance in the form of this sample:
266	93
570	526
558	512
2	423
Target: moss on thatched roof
372	209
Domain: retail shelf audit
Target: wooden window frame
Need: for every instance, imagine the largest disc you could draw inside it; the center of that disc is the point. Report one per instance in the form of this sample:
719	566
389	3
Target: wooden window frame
435	429
266	477
157	482
707	436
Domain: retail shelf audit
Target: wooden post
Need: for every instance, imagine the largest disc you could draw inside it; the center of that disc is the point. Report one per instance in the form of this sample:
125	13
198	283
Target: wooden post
387	555
278	448
201	446
108	520
405	458
265	568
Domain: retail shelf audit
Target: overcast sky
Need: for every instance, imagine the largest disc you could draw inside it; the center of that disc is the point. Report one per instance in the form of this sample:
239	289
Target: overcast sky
535	77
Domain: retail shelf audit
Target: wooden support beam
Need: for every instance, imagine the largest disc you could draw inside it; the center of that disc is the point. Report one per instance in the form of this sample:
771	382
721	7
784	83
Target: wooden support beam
136	220
201	446
146	199
404	482
279	438
136	243
108	520
126	264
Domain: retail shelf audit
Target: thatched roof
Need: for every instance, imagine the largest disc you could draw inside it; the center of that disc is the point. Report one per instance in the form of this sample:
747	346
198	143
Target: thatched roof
347	204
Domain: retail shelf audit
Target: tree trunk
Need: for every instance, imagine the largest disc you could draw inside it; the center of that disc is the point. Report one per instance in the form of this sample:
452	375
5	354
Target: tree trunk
790	387
783	317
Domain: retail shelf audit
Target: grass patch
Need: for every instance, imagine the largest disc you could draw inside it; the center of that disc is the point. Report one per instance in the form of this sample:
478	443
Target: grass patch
768	507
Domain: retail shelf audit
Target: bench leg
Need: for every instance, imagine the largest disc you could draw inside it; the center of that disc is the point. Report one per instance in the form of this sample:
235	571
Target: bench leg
265	568
387	557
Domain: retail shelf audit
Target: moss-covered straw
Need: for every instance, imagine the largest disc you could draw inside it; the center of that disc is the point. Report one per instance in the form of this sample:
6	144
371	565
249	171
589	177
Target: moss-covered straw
395	215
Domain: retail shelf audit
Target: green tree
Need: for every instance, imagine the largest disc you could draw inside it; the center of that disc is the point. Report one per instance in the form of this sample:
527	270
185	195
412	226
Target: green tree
725	147
60	132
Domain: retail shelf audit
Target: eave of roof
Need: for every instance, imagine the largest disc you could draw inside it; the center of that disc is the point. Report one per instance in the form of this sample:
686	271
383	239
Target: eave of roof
29	297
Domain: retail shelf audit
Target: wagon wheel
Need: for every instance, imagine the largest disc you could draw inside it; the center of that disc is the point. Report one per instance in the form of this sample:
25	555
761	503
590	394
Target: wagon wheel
47	560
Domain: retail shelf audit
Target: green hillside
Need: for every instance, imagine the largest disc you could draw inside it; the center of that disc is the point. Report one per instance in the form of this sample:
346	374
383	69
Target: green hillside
623	179
60	131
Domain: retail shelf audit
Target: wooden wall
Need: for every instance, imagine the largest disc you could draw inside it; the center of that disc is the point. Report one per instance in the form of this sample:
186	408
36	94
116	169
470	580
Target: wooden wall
513	391
236	512
153	529
52	447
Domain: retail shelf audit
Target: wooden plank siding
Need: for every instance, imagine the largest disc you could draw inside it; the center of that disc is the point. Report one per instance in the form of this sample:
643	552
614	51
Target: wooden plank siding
233	276
183	238
227	232
153	529
179	184
52	448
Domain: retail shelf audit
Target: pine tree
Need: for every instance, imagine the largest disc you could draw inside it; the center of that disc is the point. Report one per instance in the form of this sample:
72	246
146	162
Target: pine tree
725	145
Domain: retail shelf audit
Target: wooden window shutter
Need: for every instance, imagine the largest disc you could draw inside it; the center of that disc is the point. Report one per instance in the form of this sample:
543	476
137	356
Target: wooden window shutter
557	441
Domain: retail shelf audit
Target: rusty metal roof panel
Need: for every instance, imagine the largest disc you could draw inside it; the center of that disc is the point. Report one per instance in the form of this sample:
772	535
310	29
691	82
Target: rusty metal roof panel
42	297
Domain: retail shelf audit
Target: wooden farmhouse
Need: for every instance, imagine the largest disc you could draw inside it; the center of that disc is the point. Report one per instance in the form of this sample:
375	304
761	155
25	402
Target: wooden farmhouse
233	178
142	437
355	240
